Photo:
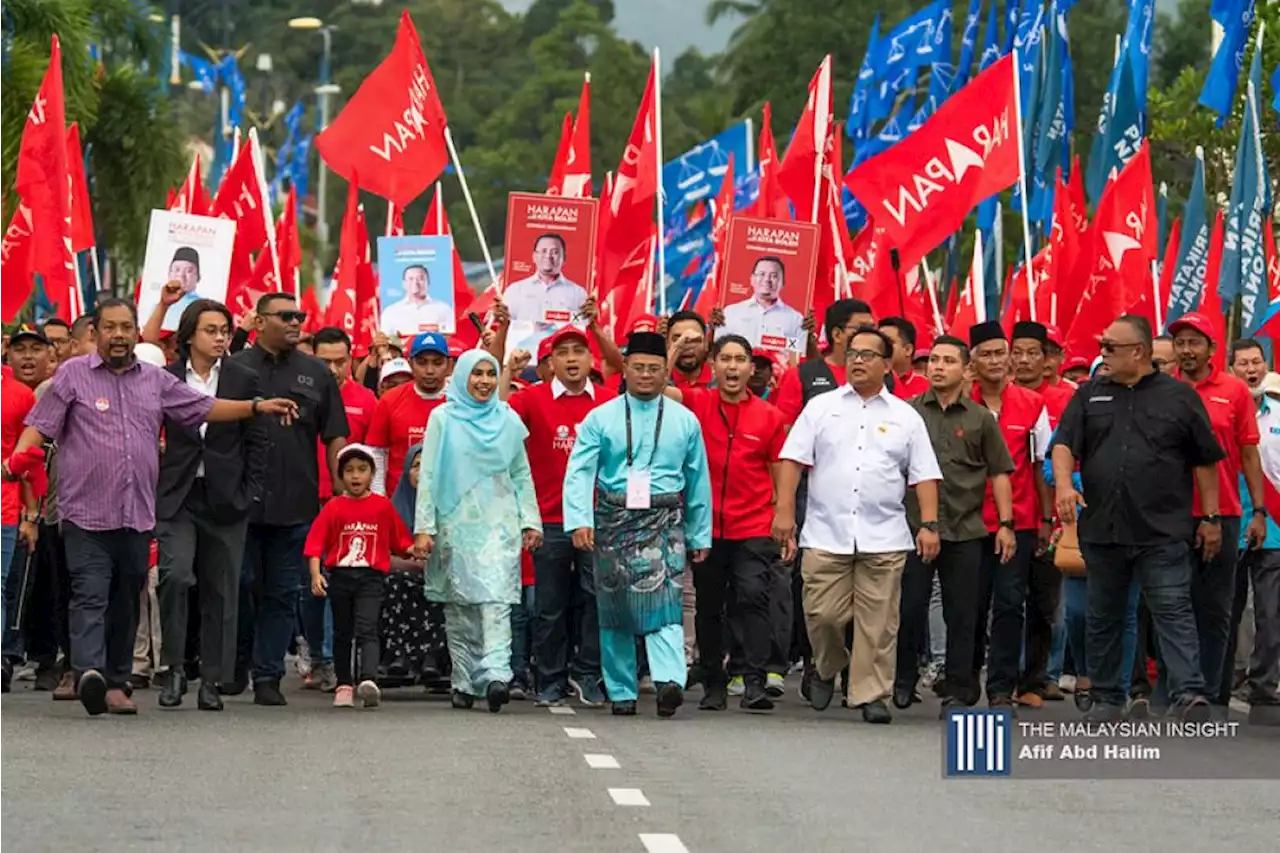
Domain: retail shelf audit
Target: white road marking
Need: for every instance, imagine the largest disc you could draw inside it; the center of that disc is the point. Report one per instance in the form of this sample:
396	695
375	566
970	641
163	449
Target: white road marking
601	762
628	797
579	734
562	709
662	842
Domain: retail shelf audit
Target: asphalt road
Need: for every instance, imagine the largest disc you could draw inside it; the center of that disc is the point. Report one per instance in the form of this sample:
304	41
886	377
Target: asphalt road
416	774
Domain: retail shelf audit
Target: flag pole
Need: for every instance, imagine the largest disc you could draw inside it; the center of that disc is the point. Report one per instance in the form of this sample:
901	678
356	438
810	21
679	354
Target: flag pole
439	209
1032	284
97	270
938	324
1155	295
660	274
821	122
471	207
976	277
255	151
391	215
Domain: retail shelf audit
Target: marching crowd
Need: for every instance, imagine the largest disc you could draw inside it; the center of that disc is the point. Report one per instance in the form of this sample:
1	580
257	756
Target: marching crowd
588	523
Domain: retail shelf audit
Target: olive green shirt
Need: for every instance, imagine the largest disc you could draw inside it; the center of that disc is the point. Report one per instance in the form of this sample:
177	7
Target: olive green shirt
967	441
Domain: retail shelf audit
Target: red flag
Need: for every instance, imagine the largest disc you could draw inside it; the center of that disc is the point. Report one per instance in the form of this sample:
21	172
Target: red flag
240	200
289	244
392	131
396	226
771	203
922	188
1210	302
966	314
1125	222
953	304
1273	260
871	277
437	223
1075	197
834	245
629	213
1068	279
15	262
1018	307
1169	264
561	161
799	175
368	308
191	197
576	182
311	304
81	213
709	296
342	302
45	187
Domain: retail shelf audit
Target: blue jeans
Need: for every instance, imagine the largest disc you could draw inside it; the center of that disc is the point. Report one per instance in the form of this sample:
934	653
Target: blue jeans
1163	572
8	548
272	562
1075	612
563	576
521	633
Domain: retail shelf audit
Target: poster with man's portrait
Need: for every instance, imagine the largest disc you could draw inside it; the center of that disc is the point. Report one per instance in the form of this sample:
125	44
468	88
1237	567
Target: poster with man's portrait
550	258
194	251
766	284
415	285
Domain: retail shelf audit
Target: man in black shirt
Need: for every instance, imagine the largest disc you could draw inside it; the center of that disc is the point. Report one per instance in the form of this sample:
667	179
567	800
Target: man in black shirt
1139	436
291	497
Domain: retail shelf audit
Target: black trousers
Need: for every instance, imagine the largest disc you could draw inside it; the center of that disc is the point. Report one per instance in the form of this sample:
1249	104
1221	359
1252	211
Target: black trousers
355	595
1003	591
107	570
747	567
1264	665
196	552
1043	594
46	622
959	570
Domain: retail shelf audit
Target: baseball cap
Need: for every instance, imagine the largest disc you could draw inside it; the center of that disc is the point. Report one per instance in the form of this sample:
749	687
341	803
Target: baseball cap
1074	362
1053	335
356	451
429	342
644	323
921	352
1196	321
149	353
394	367
26	330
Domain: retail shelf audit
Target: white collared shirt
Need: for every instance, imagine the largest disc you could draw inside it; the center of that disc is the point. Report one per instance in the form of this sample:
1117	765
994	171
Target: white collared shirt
529	300
407	318
862	454
207	387
755	322
558	390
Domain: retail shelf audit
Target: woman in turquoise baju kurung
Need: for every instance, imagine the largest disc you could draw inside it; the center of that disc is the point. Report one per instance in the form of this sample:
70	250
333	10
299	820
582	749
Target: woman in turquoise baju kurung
476	509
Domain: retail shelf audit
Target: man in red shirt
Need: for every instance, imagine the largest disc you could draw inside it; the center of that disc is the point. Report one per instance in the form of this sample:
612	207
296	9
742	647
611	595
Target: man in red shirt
690	368
400	418
1029	350
332	346
16	400
903	334
1233	416
810	378
552	411
1024	423
743	434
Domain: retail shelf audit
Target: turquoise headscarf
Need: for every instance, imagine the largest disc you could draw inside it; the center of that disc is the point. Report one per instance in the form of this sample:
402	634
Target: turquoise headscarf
479	439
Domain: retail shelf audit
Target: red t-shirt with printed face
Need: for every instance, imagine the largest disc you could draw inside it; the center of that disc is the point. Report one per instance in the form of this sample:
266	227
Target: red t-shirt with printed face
1235	423
399	422
357	533
16	401
359	403
552	416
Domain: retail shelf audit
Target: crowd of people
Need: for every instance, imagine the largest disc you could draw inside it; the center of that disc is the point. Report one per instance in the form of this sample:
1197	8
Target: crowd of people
589	523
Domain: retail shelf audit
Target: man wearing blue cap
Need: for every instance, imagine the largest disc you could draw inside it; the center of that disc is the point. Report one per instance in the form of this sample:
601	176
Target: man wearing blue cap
400	419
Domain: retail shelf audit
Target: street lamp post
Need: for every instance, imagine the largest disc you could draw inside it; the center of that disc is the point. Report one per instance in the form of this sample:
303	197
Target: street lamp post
323	90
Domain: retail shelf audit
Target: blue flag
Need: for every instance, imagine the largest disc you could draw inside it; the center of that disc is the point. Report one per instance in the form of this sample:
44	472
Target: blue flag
204	72
1051	140
1275	87
1012	14
1219	90
856	126
991	40
991	268
1244	265
1135	46
1193	250
917	41
1122	138
969	41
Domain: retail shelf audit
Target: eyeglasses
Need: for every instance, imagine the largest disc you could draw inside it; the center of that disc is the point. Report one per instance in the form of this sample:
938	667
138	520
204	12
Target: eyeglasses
646	369
864	355
287	316
216	331
1110	347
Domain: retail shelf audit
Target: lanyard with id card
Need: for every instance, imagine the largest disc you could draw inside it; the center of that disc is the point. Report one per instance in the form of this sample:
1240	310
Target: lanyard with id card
639	495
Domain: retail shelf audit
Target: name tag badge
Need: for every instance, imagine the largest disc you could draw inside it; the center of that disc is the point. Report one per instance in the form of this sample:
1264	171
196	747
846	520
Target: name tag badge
638	495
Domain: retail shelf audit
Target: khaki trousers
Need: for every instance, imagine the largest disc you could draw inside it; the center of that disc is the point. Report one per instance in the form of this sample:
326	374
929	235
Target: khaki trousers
146	643
864	589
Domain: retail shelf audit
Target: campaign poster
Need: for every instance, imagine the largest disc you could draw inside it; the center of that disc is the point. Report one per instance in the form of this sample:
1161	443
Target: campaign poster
415	285
192	250
550	258
766	283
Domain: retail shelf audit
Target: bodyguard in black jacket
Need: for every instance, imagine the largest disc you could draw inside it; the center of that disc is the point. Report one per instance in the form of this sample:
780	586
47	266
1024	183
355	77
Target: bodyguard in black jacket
210	478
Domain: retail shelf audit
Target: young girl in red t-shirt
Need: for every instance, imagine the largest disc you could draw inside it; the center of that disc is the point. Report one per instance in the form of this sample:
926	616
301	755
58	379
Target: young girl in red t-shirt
353	538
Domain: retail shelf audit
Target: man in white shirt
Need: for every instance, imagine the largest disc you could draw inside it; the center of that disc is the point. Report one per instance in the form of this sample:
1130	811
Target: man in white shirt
765	319
417	311
863	448
184	269
545	299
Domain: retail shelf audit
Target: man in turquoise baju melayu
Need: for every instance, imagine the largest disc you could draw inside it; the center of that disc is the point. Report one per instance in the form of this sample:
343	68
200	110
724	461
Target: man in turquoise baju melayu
637	492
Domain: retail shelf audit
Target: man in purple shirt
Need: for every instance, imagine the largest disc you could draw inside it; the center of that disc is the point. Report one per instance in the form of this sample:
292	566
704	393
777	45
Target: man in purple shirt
105	411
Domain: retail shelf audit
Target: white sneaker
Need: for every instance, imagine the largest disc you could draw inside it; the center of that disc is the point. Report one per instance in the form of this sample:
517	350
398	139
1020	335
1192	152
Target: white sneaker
1067	684
369	694
736	686
775	684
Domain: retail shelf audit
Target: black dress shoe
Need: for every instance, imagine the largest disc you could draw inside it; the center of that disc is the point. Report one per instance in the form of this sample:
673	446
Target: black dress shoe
876	712
904	697
755	698
175	685
207	699
716	698
139	682
625	708
462	701
497	694
821	691
267	692
670	697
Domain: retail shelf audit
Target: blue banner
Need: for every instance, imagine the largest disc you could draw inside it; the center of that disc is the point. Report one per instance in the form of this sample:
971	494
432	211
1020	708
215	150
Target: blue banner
1219	90
1193	252
1244	264
696	174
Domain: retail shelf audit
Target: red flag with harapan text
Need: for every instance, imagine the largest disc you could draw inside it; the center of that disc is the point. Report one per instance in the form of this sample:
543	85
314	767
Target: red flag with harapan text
799	174
834	244
771	203
240	200
709	296
392	131
44	184
922	188
81	213
15	262
1273	260
871	277
629	213
343	306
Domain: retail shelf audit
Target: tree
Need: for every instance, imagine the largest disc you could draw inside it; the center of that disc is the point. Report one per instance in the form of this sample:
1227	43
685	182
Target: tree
1181	41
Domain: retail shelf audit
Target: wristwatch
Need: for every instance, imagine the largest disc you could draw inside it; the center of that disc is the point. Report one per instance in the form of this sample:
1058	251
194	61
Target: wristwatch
1212	518
931	526
256	402
1006	523
1048	519
1260	511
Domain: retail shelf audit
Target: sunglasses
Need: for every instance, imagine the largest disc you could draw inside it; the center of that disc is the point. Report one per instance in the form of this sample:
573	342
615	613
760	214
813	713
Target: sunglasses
1110	347
287	316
